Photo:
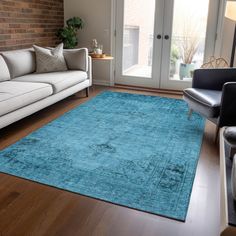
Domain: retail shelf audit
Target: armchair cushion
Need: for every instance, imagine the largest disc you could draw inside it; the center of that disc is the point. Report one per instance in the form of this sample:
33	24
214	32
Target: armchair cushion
206	102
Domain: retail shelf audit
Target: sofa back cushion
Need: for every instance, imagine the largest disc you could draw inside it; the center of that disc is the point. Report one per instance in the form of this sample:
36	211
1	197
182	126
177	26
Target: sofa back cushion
76	59
20	62
4	72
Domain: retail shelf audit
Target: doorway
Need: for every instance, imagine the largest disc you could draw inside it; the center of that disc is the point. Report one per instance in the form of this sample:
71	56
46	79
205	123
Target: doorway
159	43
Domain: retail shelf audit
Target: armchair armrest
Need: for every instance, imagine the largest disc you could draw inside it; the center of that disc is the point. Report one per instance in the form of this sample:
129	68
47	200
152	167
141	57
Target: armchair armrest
228	105
77	59
213	79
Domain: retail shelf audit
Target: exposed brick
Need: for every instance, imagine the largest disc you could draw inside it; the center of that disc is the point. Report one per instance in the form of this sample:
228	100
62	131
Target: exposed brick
27	22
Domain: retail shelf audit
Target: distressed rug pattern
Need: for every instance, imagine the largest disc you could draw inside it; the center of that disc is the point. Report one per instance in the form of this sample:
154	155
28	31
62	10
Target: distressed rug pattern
133	150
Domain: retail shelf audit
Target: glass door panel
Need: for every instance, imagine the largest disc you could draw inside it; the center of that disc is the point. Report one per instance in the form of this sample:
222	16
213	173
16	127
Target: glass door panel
138	51
188	38
160	43
138	31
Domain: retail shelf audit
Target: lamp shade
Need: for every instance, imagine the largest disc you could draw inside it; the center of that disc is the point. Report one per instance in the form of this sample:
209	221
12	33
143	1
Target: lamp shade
230	11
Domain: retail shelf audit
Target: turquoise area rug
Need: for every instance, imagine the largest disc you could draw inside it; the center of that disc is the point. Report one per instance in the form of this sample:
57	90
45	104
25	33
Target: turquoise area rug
132	150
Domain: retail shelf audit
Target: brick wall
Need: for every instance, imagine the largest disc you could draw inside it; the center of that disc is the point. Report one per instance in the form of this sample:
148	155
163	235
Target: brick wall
27	22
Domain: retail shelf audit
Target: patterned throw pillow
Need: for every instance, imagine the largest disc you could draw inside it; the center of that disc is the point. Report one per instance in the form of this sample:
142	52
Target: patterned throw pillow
50	60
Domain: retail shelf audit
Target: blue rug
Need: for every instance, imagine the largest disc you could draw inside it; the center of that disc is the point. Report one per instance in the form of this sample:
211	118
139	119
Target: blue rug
133	150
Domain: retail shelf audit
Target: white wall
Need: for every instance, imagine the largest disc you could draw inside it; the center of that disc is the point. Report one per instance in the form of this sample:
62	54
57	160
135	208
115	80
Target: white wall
97	17
227	39
225	34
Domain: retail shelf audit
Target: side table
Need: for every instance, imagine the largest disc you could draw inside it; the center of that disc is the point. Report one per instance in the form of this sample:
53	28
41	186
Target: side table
106	58
102	70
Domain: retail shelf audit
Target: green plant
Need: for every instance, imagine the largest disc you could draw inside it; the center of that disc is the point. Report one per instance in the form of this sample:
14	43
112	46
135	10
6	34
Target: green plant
189	48
190	40
68	34
174	53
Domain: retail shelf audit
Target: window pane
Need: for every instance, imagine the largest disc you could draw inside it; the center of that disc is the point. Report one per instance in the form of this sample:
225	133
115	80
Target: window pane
188	38
138	37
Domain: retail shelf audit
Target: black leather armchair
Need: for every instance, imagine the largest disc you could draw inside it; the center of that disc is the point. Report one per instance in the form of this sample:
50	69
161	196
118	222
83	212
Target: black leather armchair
213	95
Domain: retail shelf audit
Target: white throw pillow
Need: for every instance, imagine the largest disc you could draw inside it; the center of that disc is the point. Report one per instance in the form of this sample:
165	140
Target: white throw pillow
50	60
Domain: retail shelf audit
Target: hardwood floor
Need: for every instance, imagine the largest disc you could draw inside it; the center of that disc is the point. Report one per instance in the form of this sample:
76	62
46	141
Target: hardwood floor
28	208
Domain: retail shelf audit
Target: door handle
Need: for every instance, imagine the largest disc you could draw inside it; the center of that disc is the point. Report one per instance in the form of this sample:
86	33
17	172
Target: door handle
167	37
159	36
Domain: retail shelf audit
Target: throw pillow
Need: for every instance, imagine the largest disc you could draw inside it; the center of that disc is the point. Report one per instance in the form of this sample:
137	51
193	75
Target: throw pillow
50	60
76	59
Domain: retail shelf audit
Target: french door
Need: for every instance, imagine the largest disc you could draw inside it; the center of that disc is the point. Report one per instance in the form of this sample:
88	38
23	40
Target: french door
160	42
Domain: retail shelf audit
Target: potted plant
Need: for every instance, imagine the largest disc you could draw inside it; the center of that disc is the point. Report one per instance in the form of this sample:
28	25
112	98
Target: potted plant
188	46
188	50
173	59
68	34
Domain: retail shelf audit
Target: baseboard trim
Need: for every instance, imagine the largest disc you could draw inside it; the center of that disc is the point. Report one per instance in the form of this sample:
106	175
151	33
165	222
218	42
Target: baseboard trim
101	82
166	91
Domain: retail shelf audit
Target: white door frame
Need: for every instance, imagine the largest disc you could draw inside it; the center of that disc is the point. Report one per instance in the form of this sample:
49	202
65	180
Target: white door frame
157	48
211	32
213	27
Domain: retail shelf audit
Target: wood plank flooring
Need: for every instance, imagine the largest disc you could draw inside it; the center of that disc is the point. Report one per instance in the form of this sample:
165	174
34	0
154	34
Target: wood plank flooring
28	208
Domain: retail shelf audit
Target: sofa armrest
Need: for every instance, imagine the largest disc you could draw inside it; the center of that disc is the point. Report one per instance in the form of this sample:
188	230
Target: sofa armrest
213	79
228	105
77	59
90	75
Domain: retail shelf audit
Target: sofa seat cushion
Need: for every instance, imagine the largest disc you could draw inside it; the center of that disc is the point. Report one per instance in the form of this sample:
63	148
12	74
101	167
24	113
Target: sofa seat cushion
15	95
206	102
59	80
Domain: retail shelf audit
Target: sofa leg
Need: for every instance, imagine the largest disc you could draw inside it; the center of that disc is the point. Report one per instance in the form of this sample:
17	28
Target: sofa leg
217	133
87	92
190	114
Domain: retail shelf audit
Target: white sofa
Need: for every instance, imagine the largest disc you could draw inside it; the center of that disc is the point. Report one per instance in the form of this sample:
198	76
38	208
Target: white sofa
24	92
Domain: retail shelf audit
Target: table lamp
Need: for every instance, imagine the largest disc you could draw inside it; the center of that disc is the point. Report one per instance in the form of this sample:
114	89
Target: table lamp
230	13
